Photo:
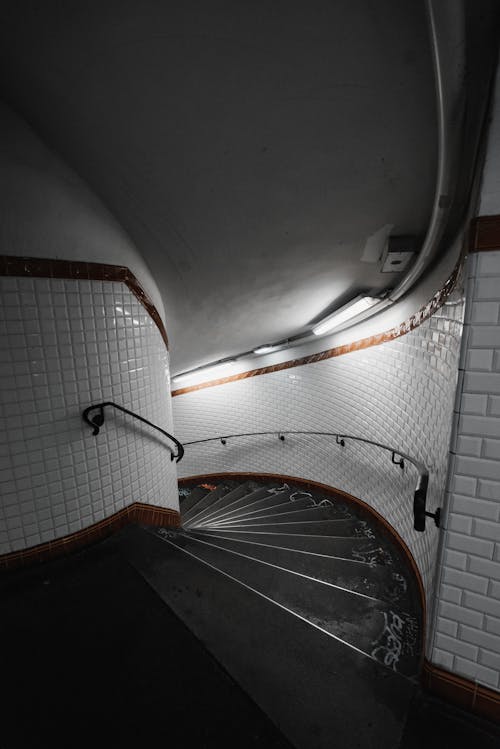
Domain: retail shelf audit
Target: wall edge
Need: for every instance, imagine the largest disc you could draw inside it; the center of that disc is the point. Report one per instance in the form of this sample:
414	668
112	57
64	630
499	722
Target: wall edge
462	692
137	512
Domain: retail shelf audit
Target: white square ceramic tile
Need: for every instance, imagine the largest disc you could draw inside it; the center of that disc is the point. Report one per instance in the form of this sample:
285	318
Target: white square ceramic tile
56	364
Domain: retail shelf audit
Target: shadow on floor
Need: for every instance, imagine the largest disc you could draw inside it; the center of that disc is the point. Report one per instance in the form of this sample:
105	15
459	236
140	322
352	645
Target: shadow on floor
434	724
92	657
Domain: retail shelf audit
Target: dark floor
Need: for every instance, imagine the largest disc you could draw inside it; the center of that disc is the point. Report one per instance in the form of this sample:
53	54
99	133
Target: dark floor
434	724
93	656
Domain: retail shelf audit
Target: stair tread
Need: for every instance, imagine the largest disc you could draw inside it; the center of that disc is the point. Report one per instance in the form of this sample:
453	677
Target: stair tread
225	499
334	528
196	493
294	514
363	551
210	496
294	672
358	620
250	499
378	581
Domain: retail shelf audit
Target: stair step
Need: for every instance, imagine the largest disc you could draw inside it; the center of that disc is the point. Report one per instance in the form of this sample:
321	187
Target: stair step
378	581
309	684
359	622
226	499
335	528
266	502
211	496
290	514
194	496
249	500
364	551
265	511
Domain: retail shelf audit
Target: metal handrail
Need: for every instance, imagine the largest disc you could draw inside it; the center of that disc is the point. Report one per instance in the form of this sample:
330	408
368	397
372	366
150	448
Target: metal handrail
397	457
97	421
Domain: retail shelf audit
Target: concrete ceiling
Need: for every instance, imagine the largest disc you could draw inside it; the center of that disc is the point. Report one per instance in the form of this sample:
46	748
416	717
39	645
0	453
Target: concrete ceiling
256	152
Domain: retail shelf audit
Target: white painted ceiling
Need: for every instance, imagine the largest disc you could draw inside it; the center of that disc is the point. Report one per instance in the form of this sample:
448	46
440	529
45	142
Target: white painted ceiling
250	148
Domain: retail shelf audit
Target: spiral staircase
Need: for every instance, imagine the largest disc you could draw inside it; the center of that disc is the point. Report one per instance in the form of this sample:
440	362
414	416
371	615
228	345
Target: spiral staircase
305	599
278	615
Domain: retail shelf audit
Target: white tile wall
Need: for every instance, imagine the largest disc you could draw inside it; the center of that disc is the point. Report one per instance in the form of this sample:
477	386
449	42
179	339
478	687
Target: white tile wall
400	393
66	344
471	560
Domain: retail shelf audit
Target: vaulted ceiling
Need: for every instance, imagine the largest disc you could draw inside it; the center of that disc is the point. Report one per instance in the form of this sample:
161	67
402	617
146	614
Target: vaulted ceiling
258	153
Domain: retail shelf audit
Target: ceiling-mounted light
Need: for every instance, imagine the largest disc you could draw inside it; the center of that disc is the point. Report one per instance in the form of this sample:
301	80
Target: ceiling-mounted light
204	373
266	348
350	310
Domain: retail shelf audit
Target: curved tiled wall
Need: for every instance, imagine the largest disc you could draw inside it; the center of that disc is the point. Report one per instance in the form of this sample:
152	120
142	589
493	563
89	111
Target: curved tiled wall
68	343
400	393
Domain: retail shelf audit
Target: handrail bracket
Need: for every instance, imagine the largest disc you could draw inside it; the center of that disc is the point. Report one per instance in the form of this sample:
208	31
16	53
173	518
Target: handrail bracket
399	462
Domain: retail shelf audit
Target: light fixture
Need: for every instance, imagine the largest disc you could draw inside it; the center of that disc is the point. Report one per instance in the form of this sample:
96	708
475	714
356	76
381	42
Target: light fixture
352	309
204	373
266	348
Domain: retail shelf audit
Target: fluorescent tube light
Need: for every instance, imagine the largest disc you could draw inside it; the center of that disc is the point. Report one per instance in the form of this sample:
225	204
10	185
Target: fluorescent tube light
352	309
205	373
266	348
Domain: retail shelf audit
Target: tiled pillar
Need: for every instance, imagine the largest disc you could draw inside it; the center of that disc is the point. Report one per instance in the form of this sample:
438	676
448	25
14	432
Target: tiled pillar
68	340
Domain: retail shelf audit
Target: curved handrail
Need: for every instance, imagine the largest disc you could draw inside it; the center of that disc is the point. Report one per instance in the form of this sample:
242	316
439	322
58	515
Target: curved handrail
98	420
420	494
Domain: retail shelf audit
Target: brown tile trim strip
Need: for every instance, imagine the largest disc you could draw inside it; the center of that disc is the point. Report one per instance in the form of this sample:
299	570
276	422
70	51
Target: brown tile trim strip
485	234
137	512
462	692
405	327
331	491
33	267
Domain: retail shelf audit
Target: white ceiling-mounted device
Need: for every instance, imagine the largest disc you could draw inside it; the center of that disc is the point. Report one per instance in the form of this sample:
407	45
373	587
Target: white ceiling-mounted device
399	254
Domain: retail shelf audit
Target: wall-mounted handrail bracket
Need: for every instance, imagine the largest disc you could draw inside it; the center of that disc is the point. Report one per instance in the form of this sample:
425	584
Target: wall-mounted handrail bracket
436	516
281	436
223	441
340	440
97	420
399	462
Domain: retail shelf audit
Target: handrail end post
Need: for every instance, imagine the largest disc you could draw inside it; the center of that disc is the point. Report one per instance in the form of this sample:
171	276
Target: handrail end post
419	503
96	421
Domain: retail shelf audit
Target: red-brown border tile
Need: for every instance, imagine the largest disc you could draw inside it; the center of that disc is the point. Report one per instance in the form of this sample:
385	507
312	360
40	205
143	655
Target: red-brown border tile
485	234
462	692
11	265
134	513
389	335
